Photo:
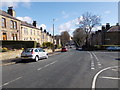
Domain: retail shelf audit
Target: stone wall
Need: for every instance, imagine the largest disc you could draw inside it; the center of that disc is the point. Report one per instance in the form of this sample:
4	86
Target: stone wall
17	53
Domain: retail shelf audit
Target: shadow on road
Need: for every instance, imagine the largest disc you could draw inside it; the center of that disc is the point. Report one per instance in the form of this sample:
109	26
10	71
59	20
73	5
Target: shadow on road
25	61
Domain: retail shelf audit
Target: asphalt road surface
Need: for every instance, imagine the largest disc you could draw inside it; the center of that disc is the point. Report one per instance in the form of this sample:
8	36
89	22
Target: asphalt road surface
72	69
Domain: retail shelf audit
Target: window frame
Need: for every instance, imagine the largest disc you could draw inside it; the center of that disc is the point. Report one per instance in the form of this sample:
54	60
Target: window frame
3	23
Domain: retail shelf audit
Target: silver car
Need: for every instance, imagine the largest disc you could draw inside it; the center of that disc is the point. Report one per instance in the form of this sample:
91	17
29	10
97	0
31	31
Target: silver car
34	54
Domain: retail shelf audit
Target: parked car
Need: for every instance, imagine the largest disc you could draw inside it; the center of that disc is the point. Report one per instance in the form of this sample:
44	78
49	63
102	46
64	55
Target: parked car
34	54
78	48
64	50
113	48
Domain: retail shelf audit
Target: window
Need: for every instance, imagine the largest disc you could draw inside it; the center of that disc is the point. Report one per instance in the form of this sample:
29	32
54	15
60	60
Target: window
30	38
4	36
13	37
16	36
15	25
36	50
31	31
34	32
3	22
11	24
25	31
37	39
37	32
43	36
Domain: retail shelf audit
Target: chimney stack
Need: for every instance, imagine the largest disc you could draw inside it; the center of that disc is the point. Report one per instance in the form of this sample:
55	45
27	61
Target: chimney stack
34	23
117	24
107	26
103	28
11	11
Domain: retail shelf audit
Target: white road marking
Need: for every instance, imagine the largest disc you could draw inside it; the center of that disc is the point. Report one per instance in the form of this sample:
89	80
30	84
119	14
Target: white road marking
92	68
115	70
99	64
11	81
39	69
110	77
90	54
53	62
92	62
95	57
46	65
98	61
95	77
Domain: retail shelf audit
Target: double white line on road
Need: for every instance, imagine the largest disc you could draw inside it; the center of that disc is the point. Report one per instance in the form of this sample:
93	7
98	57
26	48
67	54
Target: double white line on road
92	61
46	65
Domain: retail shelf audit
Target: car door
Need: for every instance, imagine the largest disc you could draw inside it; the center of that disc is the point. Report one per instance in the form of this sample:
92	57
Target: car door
36	52
41	54
44	53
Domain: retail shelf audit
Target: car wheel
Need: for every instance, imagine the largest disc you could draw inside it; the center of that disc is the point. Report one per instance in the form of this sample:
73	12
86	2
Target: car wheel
36	58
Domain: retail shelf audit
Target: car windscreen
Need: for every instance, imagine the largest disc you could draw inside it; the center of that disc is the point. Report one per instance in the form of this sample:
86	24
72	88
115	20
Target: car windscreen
28	50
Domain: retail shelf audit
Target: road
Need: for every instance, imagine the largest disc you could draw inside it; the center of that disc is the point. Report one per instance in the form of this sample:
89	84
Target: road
72	69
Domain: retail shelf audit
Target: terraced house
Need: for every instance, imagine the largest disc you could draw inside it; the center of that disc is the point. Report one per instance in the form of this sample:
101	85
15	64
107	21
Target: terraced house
109	35
29	32
15	29
10	25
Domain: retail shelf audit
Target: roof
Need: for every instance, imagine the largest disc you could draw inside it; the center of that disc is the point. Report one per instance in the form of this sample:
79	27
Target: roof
3	13
114	29
28	25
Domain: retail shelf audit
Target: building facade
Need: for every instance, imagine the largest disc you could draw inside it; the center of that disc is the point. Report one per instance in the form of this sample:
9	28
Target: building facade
14	29
10	26
29	32
107	36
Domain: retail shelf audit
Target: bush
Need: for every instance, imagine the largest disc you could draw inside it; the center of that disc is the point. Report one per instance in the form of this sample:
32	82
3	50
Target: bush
4	49
48	45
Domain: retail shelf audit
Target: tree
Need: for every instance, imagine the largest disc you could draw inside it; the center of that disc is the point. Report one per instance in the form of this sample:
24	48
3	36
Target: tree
65	38
79	37
87	21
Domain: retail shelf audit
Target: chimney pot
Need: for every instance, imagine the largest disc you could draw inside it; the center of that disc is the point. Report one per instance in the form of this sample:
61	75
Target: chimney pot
34	23
11	11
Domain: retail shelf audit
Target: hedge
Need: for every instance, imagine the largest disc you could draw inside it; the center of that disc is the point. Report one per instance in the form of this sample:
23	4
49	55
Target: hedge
18	44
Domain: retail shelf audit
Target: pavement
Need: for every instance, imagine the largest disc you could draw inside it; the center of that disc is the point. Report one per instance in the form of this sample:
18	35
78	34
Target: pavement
16	60
72	69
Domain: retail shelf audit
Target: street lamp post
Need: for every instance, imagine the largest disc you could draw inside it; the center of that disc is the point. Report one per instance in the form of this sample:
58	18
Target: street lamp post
53	36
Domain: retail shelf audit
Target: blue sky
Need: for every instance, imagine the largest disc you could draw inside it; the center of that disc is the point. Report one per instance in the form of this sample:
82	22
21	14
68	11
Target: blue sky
65	13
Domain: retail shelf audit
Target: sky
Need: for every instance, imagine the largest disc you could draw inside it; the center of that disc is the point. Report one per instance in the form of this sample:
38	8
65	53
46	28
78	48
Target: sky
65	14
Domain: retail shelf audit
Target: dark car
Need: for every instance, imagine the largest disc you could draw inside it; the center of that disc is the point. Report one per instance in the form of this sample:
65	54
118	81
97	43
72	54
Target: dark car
113	48
64	50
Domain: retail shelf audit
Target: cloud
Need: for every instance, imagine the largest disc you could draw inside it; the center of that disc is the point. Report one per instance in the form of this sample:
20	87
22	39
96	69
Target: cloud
96	28
26	18
68	26
14	3
43	26
107	12
65	15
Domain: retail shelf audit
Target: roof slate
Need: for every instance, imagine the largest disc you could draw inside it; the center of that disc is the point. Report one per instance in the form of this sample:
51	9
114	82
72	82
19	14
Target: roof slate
3	13
114	29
